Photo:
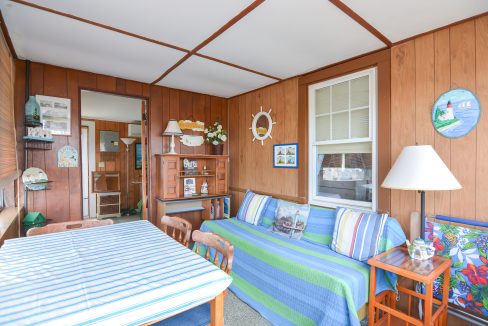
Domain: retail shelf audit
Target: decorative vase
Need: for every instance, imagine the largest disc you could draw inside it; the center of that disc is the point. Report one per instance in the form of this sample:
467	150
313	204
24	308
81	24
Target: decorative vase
32	111
218	149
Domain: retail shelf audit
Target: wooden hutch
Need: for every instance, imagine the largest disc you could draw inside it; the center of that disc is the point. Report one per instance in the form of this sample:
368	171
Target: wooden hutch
170	186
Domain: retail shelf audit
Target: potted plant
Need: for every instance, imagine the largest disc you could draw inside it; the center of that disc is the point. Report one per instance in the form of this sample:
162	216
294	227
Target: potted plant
216	136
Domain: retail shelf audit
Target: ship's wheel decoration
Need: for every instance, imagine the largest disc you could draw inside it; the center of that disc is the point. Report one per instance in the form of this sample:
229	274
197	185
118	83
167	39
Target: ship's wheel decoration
456	113
262	125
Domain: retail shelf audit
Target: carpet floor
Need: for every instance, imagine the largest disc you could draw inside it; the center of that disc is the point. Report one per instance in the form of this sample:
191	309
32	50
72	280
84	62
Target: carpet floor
238	313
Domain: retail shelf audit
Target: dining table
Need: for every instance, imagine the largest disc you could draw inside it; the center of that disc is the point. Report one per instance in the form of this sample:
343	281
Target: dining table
122	274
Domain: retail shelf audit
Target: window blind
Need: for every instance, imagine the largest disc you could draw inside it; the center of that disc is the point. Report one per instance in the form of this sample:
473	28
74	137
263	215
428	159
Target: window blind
8	151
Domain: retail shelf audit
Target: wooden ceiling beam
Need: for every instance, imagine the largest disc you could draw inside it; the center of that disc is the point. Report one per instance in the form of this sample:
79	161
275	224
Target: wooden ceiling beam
212	37
236	66
91	22
360	20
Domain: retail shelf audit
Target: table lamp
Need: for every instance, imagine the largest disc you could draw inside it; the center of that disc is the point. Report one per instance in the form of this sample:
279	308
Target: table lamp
172	129
419	168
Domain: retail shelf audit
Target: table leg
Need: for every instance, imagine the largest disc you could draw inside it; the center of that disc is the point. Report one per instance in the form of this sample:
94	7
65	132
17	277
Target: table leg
217	310
372	295
428	303
445	293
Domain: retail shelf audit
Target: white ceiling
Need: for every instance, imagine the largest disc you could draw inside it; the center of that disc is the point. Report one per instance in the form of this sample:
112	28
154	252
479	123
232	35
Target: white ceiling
103	106
285	38
210	77
281	38
398	20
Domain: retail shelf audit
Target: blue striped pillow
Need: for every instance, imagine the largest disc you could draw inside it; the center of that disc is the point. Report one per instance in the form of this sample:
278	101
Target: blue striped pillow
357	234
320	225
252	207
267	219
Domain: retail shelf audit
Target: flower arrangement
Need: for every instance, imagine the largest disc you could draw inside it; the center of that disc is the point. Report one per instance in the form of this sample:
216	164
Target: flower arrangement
215	135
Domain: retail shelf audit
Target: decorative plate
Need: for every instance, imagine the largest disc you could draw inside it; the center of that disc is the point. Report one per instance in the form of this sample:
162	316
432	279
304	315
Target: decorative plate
35	179
456	113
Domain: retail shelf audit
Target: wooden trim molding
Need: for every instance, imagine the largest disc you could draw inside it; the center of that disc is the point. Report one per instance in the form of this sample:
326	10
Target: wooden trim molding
6	35
237	66
299	199
360	20
212	37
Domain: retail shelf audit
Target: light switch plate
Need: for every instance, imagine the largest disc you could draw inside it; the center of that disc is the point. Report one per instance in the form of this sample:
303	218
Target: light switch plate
101	164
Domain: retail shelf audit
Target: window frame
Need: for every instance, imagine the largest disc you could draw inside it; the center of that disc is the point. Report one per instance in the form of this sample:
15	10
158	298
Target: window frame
323	201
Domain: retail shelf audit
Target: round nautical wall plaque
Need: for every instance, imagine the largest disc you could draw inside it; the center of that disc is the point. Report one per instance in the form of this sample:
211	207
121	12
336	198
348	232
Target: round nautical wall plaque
456	113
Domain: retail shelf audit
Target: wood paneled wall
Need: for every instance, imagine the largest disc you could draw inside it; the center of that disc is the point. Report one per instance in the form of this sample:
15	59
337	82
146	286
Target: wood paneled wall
252	165
423	69
63	201
117	161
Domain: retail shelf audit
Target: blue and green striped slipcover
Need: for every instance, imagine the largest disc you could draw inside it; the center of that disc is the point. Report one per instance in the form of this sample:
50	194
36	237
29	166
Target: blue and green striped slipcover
300	282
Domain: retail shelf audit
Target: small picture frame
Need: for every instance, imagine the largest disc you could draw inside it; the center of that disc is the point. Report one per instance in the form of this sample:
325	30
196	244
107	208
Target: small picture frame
285	156
138	156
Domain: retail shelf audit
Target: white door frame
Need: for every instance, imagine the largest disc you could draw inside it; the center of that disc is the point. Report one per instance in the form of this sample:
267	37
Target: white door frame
91	165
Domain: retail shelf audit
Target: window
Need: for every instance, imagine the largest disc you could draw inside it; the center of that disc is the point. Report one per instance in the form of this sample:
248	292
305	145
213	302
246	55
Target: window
342	134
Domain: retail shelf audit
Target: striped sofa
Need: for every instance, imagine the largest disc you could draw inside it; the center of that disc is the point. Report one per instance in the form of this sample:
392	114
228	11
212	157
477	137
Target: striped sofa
301	282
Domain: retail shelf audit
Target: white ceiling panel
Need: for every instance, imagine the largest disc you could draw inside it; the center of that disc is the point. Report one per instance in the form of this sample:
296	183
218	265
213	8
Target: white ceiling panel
213	78
284	38
53	39
184	23
103	106
398	20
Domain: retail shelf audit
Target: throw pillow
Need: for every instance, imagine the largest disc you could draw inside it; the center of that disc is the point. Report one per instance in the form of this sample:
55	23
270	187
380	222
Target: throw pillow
252	207
357	234
290	219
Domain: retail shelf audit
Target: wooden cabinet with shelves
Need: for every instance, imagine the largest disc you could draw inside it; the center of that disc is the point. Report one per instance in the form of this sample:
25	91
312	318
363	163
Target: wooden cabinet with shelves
171	174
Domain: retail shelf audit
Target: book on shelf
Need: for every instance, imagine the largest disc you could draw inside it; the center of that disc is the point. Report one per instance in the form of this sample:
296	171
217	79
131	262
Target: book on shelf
189	187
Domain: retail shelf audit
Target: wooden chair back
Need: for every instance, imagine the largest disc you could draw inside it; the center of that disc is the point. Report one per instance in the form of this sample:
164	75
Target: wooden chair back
67	226
222	246
181	229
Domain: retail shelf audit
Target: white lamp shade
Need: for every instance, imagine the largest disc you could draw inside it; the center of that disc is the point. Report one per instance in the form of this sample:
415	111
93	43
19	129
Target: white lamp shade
420	168
128	141
172	129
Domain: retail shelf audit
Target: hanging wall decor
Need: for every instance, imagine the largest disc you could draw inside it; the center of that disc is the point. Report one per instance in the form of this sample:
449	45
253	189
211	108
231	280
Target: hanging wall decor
67	157
191	125
55	114
456	113
192	141
285	156
262	125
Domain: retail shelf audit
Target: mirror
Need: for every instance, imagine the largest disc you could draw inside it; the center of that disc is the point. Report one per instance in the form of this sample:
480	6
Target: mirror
262	125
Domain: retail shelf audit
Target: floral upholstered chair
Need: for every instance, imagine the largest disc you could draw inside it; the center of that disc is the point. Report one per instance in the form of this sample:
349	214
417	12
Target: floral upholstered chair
467	248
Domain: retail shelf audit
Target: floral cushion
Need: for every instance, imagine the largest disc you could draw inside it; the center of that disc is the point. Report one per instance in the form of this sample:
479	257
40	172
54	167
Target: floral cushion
467	248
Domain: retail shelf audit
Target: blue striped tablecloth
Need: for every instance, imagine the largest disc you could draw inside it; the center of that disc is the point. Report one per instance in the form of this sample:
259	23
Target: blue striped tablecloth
122	274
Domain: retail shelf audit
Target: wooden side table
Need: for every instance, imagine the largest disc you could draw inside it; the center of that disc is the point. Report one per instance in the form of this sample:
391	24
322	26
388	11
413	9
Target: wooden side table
397	260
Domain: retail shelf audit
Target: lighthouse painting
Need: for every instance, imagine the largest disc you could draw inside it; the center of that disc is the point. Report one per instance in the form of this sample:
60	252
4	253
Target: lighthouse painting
456	113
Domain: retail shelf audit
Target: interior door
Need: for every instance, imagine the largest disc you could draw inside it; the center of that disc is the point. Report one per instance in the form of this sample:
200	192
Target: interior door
144	158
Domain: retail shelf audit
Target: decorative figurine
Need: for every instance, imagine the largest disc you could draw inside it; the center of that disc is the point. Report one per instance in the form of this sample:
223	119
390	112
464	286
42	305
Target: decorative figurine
204	188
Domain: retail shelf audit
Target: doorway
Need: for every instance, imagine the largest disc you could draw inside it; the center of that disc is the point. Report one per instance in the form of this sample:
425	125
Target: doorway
113	154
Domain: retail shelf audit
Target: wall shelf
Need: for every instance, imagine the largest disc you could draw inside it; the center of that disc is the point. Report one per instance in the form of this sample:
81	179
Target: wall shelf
36	143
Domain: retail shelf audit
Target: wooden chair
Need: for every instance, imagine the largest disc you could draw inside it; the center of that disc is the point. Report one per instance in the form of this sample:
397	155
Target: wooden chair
181	229
200	315
67	226
220	244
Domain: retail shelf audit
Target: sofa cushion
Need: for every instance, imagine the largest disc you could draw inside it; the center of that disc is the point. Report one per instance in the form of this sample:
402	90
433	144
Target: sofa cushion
268	216
357	234
320	225
290	219
252	207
